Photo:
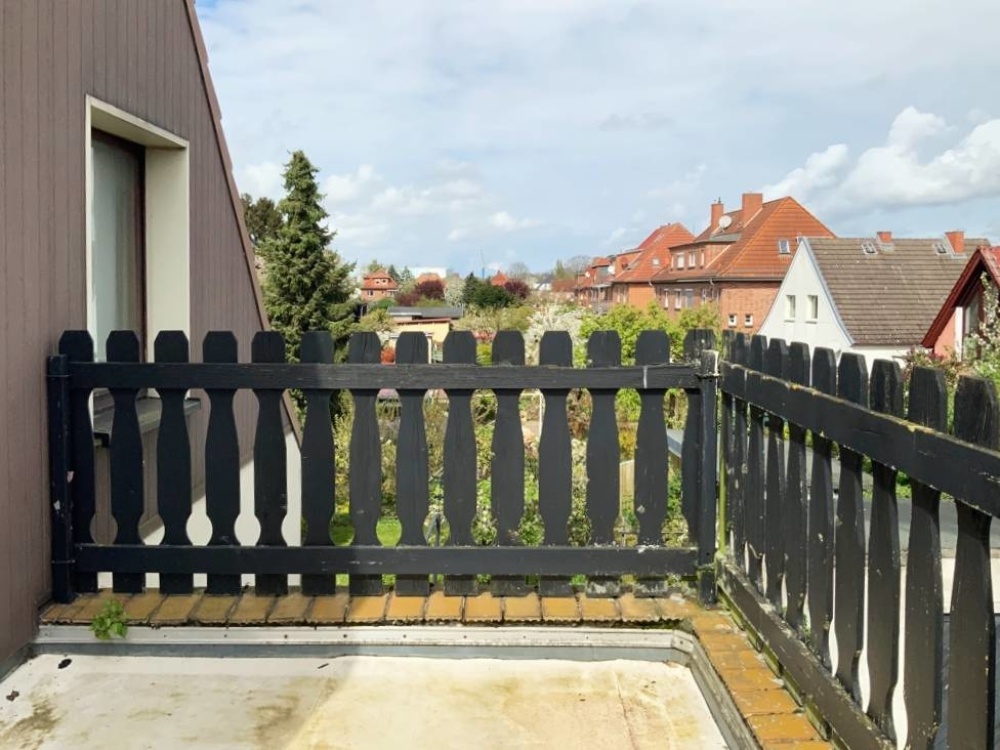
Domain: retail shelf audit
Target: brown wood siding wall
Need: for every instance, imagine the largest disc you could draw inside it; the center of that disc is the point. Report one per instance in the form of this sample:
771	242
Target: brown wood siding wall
140	56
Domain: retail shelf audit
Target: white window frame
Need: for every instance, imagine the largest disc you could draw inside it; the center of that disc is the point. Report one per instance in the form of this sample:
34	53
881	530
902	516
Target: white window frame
680	260
732	320
790	305
812	308
167	219
748	320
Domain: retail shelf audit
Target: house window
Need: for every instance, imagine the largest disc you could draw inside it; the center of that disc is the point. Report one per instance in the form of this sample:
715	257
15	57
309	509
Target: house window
691	258
748	320
138	232
701	258
789	307
680	260
732	320
784	247
690	297
117	294
813	310
677	299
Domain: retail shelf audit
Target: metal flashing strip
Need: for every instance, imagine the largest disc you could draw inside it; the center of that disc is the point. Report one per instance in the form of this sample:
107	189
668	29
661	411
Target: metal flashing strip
447	642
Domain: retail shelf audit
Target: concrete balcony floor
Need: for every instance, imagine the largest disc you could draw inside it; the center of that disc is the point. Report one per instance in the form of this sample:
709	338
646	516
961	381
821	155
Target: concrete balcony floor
335	672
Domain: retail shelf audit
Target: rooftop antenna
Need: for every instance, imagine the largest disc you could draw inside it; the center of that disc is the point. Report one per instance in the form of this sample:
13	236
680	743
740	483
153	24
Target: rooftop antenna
482	264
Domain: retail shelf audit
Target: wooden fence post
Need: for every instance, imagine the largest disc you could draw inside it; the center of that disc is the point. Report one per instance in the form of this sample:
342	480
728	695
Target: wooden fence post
708	476
60	496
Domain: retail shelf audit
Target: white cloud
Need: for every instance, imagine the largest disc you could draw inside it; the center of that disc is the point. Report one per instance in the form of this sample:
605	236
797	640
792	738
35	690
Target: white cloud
458	233
344	188
895	174
263	179
821	170
468	110
507	223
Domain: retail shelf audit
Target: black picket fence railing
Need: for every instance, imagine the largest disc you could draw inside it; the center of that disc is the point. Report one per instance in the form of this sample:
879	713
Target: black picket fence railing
797	568
74	376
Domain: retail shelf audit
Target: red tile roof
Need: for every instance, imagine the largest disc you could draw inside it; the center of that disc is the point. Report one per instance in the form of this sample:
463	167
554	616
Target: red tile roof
653	254
499	279
749	245
369	281
986	260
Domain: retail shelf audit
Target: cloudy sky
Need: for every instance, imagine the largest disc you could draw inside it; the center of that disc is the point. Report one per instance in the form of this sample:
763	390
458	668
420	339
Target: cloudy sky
461	133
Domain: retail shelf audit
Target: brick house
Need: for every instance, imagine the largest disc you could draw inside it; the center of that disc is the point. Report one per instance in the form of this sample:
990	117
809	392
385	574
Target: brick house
962	312
378	285
738	261
633	284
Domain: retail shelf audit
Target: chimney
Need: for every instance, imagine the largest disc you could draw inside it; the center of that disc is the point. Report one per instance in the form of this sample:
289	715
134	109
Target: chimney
752	203
717	211
884	237
957	240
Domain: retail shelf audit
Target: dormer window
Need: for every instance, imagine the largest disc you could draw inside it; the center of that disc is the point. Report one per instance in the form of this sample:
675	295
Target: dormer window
680	260
784	247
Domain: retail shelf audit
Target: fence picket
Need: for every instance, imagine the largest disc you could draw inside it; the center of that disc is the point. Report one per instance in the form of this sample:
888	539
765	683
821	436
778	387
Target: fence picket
126	460
507	466
922	660
754	497
555	458
173	461
886	396
366	461
412	499
222	461
318	483
736	495
460	459
776	365
604	349
821	518
971	683
796	492
652	348
270	483
78	346
850	537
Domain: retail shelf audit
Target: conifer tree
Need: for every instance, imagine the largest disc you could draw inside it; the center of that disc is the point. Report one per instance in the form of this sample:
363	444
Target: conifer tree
307	286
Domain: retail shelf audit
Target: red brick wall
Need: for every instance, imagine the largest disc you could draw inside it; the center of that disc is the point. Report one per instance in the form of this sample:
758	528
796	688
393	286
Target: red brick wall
741	298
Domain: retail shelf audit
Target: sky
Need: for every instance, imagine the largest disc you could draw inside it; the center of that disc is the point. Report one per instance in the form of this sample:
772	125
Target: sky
478	134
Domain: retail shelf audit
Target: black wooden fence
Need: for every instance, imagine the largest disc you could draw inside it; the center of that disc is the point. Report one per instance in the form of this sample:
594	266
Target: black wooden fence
77	559
797	564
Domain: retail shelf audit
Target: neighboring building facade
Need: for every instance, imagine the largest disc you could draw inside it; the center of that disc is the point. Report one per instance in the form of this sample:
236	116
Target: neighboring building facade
738	261
633	284
963	311
378	285
871	296
119	210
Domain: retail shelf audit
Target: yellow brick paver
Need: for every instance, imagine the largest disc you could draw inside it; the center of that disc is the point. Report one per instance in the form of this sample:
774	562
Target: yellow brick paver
213	610
483	608
560	609
328	610
761	702
405	609
598	610
139	607
366	609
522	608
783	728
442	608
638	610
290	609
252	609
93	604
175	610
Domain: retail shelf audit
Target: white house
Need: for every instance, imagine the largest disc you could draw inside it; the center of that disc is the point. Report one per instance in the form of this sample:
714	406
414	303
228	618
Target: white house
873	296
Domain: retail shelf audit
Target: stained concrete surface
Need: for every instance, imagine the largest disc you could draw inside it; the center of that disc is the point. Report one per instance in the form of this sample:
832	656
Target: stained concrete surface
351	702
